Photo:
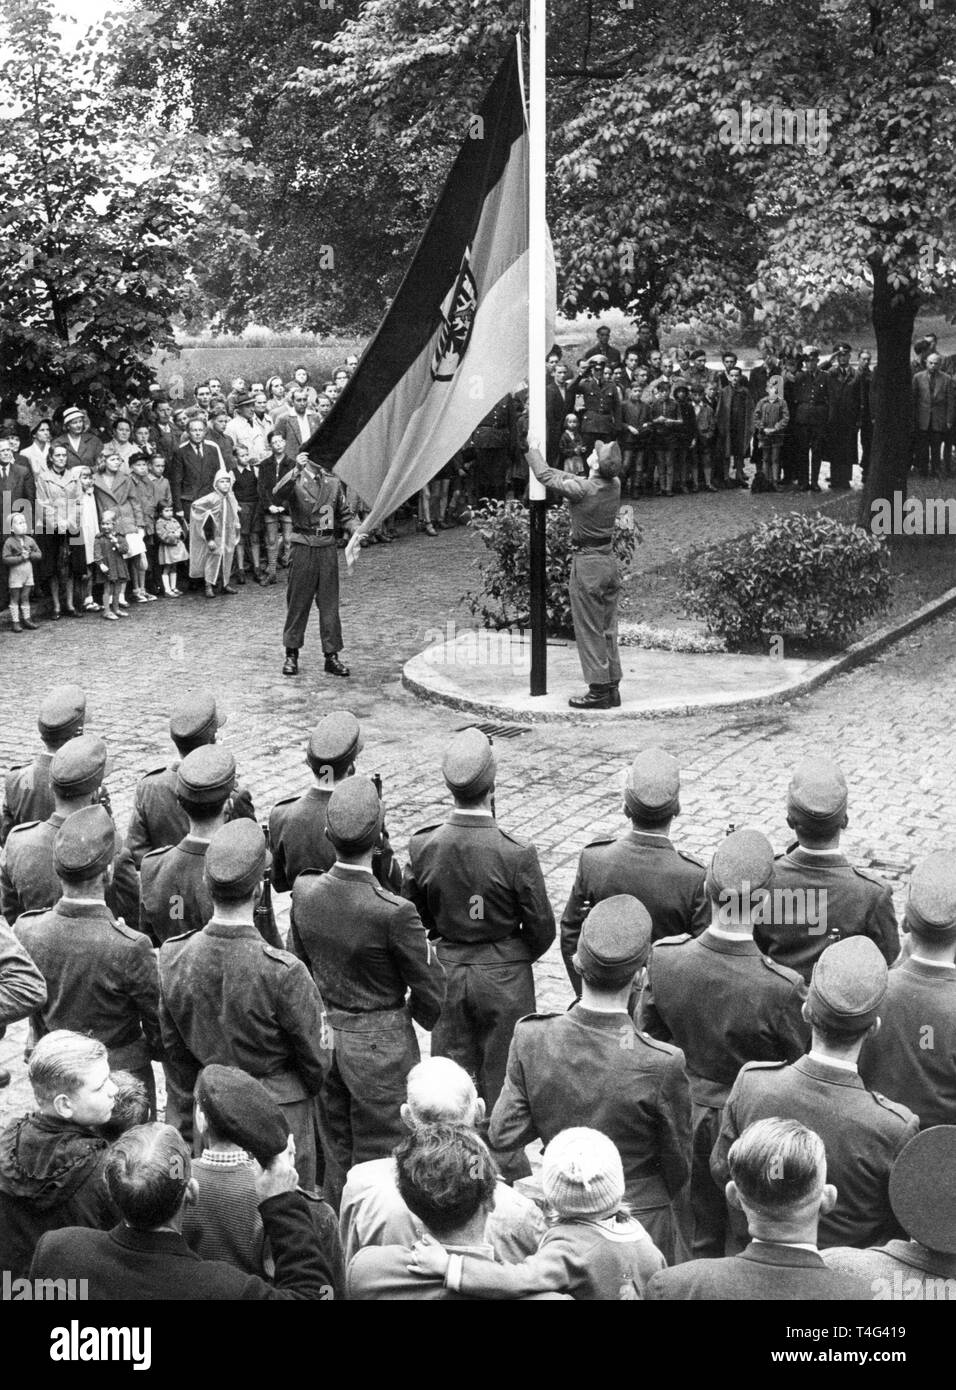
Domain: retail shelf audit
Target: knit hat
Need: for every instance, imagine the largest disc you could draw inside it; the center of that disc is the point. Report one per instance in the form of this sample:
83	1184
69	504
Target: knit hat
240	1109
582	1174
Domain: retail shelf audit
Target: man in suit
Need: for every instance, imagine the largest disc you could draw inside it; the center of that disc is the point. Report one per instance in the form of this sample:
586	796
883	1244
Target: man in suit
778	1182
193	469
843	418
27	793
642	862
148	1176
934	408
250	429
162	432
17	494
603	347
298	424
862	1130
809	415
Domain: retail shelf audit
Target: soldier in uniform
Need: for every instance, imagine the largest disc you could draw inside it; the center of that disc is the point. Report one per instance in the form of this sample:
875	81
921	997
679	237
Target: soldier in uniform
863	1131
22	987
174	896
818	895
595	579
481	893
601	421
591	1066
367	951
158	818
642	862
319	509
27	794
28	878
494	442
227	996
297	835
913	1056
100	974
723	1004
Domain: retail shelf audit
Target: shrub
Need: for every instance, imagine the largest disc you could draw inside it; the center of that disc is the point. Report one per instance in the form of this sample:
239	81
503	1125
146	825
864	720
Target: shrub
803	574
503	598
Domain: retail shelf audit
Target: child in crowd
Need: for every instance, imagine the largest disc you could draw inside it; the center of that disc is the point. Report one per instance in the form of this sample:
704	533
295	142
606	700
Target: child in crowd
571	449
594	1250
144	502
130	1105
214	535
771	418
705	436
685	464
245	487
667	421
172	550
109	554
84	542
635	436
19	552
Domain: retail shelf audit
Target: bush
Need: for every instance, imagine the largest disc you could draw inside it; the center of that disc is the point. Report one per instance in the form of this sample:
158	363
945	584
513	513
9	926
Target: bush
803	575
503	599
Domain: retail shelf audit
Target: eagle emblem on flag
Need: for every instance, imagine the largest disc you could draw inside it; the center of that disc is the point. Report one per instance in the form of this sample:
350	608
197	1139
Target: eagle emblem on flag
458	320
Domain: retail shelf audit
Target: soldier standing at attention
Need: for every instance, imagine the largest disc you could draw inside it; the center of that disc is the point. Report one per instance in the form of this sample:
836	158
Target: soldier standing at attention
818	896
318	507
481	893
863	1131
367	951
227	996
27	794
723	1004
595	580
158	818
642	862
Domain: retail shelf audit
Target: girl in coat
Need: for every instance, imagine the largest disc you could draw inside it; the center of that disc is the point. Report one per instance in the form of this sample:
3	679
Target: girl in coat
172	551
109	555
19	552
214	535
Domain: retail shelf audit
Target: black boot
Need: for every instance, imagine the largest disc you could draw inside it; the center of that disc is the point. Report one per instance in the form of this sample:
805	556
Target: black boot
290	667
598	697
334	666
614	690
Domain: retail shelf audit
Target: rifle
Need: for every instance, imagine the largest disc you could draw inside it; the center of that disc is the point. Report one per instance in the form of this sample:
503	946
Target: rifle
384	864
264	915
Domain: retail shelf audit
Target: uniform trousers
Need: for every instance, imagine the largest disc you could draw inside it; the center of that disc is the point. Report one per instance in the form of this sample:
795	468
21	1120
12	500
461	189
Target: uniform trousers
708	1208
313	576
594	590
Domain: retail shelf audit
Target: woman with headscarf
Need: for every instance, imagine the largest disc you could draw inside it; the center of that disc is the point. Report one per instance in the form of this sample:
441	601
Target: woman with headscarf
214	535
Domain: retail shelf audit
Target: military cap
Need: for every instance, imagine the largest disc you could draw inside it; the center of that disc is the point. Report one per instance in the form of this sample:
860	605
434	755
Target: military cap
742	862
931	904
353	818
848	985
652	786
469	766
236	859
598	359
614	942
811	351
609	459
62	712
194	718
85	843
206	775
335	741
240	1109
922	1191
817	792
79	766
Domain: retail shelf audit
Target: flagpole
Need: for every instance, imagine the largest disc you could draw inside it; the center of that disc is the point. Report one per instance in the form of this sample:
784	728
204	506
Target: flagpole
537	323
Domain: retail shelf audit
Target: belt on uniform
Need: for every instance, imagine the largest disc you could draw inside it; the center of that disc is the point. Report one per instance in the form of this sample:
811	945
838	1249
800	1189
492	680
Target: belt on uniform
371	1021
577	549
312	531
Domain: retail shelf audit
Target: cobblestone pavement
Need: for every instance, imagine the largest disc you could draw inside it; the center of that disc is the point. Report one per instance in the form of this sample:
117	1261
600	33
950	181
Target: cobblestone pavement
887	722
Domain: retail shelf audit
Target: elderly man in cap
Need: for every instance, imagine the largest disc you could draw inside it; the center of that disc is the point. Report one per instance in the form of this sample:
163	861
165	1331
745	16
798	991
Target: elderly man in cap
913	1056
158	818
27	794
778	1184
81	444
923	1199
249	429
28	878
862	1130
480	893
595	579
818	896
724	1004
372	1211
100	974
376	972
227	996
591	1066
174	896
642	862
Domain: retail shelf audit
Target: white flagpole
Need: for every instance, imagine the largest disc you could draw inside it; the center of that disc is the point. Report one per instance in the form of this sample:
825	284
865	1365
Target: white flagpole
537	326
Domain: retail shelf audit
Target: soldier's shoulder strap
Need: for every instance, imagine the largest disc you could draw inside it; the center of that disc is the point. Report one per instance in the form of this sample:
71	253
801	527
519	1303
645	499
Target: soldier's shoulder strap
33	912
175	940
692	859
286	801
513	839
870	876
154	771
902	1112
681	940
668	1048
277	954
784	971
154	855
764	1066
386	894
605	840
537	1018
24	825
426	829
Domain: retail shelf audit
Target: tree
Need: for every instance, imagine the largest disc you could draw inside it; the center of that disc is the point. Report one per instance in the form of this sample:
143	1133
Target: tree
97	208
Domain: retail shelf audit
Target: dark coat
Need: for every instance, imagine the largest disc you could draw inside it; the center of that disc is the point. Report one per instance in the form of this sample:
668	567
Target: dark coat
174	898
28	880
22	987
913	1056
297	837
192	472
158	819
27	794
765	1273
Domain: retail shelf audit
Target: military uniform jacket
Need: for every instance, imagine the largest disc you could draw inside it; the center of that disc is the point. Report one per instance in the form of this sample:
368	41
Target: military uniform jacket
602	406
158	819
22	987
297	837
598	1070
365	946
593	503
766	1273
913	1056
28	880
863	1132
479	890
27	794
724	1004
667	881
100	976
845	901
226	996
317	504
174	898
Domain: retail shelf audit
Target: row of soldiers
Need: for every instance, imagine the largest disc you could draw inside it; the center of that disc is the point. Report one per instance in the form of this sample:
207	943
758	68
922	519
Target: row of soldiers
701	986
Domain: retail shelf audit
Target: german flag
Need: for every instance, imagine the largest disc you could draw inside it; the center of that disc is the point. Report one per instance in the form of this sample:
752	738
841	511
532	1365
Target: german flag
455	338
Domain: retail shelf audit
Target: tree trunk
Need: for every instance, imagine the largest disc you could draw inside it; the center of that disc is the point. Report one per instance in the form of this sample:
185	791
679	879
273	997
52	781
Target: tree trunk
894	317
